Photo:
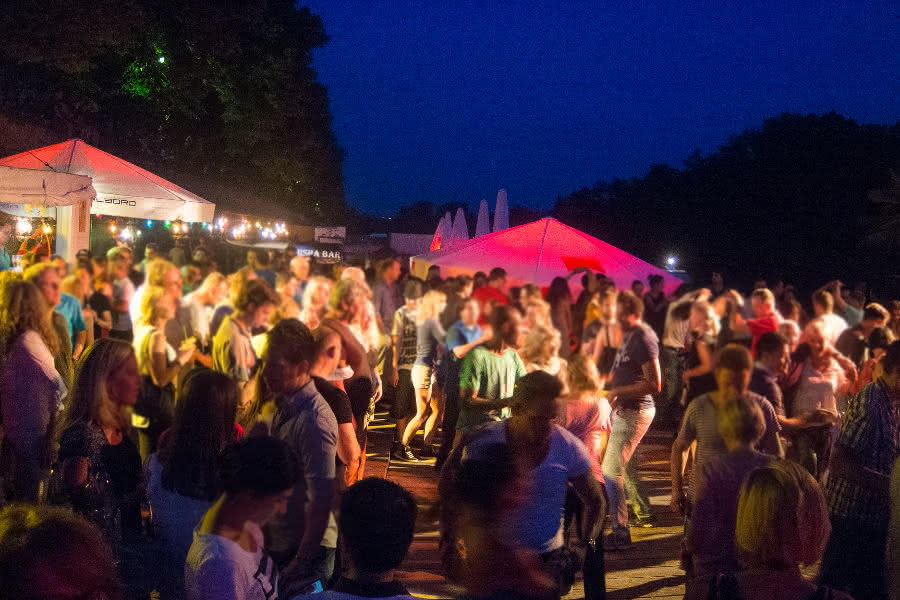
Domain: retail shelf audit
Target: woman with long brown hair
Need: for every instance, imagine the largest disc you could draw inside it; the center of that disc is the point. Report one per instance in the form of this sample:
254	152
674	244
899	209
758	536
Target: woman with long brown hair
182	477
99	468
32	389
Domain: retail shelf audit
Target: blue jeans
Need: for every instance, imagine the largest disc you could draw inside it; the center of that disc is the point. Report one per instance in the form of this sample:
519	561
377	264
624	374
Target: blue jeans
628	429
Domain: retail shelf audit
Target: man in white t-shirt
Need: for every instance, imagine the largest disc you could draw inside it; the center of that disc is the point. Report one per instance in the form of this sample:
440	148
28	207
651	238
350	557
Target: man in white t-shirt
227	560
832	325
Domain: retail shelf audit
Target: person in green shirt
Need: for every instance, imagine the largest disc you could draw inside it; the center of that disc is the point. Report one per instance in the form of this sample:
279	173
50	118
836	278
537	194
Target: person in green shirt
7	222
489	373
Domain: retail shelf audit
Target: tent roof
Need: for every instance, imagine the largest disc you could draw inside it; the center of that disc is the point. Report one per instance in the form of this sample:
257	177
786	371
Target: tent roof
539	251
123	189
43	188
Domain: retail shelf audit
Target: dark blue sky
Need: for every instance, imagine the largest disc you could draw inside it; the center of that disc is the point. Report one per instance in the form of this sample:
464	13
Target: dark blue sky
449	101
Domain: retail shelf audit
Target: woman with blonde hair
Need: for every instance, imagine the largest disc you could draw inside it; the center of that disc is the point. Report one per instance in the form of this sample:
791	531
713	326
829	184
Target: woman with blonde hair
535	313
346	305
32	387
587	409
159	364
603	336
704	326
430	338
782	523
237	281
315	301
540	352
99	467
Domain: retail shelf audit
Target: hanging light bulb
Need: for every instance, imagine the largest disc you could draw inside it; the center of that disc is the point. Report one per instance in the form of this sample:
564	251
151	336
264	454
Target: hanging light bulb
23	226
46	228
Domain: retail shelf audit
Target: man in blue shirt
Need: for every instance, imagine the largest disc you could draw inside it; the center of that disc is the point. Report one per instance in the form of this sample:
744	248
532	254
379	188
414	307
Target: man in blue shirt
462	336
7	222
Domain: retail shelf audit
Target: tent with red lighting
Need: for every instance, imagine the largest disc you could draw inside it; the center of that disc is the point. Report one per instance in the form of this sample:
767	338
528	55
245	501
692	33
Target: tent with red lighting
539	251
123	189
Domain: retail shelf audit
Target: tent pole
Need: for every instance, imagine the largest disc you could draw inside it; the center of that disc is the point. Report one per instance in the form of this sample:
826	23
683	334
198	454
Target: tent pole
540	252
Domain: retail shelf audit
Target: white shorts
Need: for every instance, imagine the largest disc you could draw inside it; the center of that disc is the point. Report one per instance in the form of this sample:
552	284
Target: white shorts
421	377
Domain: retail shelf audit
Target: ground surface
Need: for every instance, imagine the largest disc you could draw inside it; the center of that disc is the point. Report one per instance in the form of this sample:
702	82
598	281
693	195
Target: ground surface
648	570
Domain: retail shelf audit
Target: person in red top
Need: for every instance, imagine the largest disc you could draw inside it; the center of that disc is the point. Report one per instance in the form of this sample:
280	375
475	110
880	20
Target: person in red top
491	294
764	320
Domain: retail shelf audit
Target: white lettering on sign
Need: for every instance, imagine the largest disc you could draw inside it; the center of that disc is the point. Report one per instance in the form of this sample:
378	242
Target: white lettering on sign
116	201
320	254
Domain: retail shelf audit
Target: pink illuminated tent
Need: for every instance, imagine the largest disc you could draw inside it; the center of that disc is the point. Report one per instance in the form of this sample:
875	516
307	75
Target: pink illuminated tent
539	251
123	189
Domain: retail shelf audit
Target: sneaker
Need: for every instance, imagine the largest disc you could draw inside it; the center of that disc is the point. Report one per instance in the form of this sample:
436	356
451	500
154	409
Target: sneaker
401	452
407	454
427	452
642	523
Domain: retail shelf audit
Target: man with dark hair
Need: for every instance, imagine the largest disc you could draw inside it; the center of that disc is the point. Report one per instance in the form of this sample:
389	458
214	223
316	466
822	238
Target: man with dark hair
853	342
7	224
403	355
386	293
637	288
655	305
305	421
635	378
227	558
377	522
773	357
491	294
489	372
859	482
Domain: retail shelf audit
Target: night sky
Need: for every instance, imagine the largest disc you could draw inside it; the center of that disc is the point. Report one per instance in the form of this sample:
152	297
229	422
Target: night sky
449	101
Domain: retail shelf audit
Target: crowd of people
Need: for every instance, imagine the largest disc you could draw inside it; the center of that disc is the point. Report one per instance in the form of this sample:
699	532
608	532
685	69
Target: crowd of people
222	421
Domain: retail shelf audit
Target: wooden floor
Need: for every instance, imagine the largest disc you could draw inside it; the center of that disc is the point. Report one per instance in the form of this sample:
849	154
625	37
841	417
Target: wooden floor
648	570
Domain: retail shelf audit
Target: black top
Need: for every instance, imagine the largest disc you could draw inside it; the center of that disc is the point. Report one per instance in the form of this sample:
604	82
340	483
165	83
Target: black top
337	399
764	383
100	304
701	384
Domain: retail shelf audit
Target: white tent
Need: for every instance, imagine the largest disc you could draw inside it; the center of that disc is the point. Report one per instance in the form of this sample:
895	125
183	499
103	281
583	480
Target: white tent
123	189
483	226
501	212
43	188
460	227
67	198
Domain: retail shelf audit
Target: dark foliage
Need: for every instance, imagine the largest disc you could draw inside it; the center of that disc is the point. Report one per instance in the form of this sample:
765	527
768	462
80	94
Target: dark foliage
792	199
218	90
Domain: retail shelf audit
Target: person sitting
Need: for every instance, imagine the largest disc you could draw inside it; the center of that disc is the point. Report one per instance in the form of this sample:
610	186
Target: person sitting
377	521
227	559
50	553
709	539
782	523
182	477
